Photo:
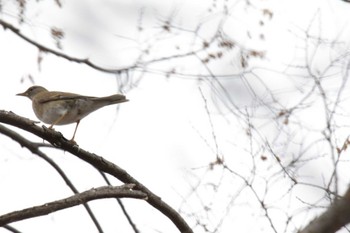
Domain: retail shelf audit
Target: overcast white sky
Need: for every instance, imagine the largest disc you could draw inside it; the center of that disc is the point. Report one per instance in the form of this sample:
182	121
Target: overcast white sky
161	129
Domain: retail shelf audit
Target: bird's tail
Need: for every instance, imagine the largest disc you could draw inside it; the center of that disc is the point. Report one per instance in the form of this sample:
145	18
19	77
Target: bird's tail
112	99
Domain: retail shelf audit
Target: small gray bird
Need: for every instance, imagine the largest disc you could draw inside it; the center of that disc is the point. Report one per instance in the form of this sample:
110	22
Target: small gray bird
61	108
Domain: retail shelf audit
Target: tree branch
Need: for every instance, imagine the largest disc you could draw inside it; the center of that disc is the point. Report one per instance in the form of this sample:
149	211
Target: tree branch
335	217
121	204
12	229
34	148
56	139
93	194
43	48
86	61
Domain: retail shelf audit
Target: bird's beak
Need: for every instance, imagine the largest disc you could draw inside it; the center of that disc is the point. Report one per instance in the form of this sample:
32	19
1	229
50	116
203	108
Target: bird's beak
22	94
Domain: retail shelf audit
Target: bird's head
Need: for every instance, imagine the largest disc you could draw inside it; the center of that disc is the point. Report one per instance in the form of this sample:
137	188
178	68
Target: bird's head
32	91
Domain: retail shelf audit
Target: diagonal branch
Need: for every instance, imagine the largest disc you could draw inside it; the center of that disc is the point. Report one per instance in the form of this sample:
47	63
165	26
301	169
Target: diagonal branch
56	139
43	48
121	204
335	217
77	199
12	229
34	148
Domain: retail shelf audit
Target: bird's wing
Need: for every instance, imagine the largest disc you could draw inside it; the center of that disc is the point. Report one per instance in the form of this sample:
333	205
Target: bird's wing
63	96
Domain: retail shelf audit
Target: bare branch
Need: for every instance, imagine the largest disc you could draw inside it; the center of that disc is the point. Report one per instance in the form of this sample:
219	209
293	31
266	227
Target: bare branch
121	204
93	194
34	148
335	217
12	229
43	48
56	139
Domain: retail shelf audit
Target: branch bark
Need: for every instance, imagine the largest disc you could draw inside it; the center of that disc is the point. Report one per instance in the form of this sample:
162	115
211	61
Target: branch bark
335	217
35	149
57	140
80	198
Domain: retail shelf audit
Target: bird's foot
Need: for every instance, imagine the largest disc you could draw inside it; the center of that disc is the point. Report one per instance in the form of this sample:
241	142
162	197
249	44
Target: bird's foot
73	142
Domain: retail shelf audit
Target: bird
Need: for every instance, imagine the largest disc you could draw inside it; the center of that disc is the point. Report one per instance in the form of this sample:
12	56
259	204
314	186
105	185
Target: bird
61	108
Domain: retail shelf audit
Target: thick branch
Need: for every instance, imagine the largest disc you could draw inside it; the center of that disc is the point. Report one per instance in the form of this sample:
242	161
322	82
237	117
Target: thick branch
335	217
34	148
56	139
93	194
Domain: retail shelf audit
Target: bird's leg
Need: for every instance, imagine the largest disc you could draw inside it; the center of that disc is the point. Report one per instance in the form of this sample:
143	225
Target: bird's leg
57	121
76	127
